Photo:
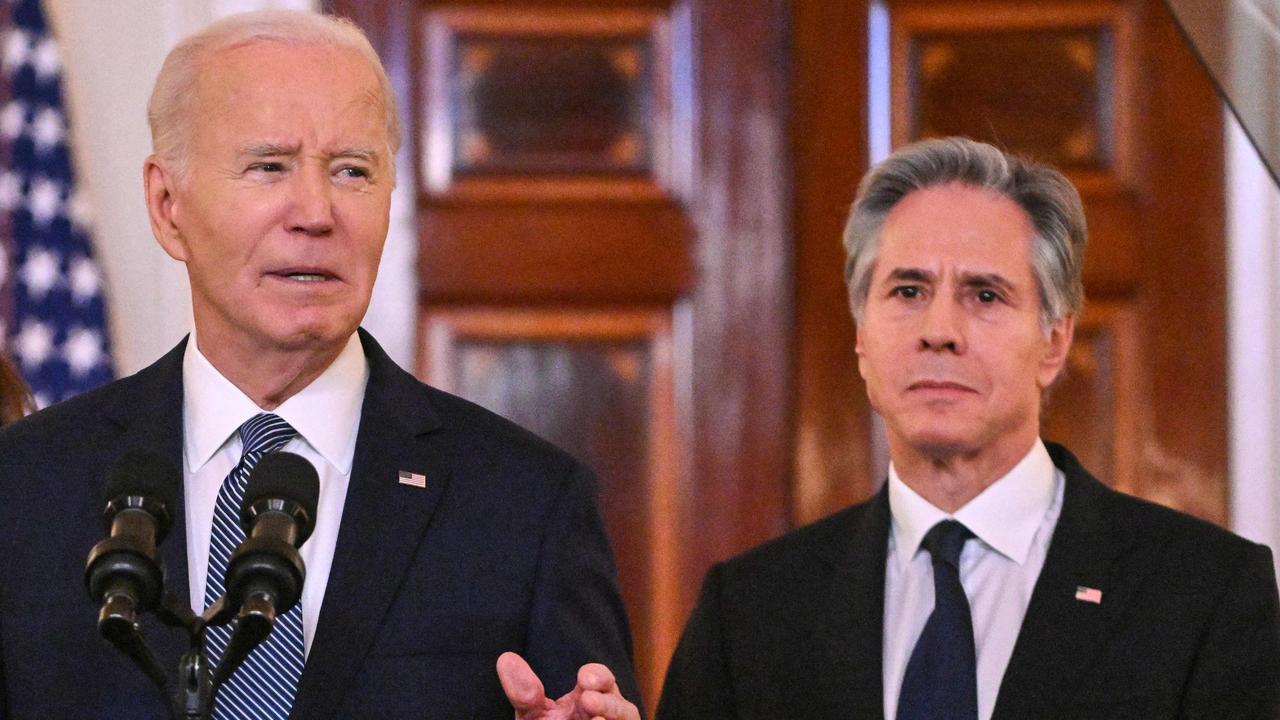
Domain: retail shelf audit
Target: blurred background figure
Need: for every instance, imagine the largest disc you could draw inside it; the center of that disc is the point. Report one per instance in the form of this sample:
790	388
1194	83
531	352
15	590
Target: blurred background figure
15	398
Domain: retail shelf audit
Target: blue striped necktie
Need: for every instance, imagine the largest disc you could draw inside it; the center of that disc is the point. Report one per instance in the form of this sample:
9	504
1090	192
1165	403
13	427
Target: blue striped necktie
941	681
264	686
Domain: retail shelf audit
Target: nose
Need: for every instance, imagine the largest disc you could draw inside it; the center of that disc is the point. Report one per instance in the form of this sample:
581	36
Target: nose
942	327
311	207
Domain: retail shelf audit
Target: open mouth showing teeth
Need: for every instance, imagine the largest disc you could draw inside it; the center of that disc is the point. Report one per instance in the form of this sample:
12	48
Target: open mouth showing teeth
306	277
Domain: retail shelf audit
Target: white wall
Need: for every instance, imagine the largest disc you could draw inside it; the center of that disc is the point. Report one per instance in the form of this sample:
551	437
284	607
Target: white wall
111	54
1253	211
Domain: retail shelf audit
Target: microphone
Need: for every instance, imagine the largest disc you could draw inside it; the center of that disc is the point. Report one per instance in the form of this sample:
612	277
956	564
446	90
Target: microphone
277	516
122	572
265	573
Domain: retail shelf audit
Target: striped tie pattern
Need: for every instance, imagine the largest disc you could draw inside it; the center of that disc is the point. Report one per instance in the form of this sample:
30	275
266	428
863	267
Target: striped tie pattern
264	686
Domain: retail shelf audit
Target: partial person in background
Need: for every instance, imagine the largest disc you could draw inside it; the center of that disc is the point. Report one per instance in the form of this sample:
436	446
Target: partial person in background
992	576
445	535
15	398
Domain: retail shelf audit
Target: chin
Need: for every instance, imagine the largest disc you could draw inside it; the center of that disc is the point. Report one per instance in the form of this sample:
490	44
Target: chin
939	442
301	336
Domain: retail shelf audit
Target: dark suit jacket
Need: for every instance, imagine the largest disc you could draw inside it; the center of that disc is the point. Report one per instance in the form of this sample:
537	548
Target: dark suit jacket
1187	626
503	550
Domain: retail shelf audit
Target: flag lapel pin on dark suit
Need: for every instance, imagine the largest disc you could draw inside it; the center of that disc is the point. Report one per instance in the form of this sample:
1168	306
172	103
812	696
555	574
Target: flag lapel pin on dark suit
1083	594
414	479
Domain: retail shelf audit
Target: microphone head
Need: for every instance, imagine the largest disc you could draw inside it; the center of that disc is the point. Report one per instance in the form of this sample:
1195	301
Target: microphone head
288	477
146	480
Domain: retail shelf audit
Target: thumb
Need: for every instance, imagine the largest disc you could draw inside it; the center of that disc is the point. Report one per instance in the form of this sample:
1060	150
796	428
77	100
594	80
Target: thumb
522	686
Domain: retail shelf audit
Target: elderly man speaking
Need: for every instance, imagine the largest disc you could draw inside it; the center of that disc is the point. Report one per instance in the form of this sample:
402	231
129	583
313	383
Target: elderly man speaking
992	577
274	137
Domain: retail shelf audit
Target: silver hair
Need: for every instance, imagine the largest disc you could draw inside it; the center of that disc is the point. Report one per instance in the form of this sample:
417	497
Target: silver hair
169	110
1049	199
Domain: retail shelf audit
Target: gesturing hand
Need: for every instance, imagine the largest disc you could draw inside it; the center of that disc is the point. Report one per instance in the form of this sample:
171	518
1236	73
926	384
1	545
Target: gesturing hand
596	696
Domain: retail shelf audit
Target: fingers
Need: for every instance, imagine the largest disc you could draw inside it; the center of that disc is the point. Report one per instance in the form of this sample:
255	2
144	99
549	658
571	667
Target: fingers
601	699
601	706
594	676
522	686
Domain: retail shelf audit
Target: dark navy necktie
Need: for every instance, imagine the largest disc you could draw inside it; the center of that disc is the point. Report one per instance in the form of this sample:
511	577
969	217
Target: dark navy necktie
264	686
941	681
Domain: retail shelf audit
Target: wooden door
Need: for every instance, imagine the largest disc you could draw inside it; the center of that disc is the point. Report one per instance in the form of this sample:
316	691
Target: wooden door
603	212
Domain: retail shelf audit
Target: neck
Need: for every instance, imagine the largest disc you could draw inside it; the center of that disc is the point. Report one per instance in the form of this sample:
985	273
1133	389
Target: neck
268	376
950	478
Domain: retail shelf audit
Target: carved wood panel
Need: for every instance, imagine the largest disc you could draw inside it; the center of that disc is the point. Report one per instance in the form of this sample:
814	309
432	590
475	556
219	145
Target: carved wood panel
599	383
1102	382
532	103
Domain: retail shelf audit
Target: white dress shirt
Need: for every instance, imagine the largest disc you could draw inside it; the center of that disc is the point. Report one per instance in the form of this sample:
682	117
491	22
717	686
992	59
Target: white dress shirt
325	413
1012	521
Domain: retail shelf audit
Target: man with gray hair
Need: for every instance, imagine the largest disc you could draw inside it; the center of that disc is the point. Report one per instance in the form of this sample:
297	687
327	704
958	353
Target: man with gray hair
992	576
444	536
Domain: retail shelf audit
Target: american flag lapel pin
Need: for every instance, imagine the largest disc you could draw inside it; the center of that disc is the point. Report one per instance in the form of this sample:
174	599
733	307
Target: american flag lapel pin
1089	595
417	480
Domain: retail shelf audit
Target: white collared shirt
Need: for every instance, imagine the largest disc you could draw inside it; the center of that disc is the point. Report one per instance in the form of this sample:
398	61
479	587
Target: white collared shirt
1012	521
326	415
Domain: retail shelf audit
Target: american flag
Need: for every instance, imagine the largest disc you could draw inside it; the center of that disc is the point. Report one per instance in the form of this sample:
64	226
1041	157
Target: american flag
54	320
1089	595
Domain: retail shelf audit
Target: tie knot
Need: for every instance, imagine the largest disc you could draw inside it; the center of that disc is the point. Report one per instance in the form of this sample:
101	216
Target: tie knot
945	540
264	433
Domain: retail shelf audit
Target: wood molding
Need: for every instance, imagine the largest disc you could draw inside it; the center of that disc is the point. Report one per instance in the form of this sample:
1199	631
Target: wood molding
832	465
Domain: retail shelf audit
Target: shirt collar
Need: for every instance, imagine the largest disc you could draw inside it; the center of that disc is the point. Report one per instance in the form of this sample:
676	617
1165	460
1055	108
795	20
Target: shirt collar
1005	516
325	413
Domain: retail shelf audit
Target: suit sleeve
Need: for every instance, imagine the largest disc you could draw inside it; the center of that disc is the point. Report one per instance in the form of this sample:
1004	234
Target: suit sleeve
577	616
698	685
1237	672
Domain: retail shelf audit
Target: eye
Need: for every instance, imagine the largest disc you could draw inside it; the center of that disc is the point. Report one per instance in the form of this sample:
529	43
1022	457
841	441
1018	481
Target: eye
987	297
268	167
352	171
906	292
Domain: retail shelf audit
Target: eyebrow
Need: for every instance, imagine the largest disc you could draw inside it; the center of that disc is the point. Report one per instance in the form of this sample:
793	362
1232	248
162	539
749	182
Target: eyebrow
270	150
274	150
969	279
911	274
983	280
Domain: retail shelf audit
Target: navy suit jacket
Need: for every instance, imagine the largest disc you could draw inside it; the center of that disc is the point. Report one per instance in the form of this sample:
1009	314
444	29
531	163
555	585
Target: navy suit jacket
1187	626
503	550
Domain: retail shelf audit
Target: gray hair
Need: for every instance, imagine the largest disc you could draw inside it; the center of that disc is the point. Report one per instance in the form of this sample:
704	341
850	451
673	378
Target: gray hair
1049	199
169	109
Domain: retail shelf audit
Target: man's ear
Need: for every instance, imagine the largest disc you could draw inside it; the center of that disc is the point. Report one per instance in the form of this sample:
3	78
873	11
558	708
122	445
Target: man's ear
858	349
159	185
1057	349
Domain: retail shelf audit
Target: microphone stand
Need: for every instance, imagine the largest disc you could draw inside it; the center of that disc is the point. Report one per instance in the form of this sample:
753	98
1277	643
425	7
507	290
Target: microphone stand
118	623
197	683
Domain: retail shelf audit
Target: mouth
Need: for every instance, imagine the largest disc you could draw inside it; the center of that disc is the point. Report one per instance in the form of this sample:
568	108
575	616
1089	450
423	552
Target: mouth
940	385
303	275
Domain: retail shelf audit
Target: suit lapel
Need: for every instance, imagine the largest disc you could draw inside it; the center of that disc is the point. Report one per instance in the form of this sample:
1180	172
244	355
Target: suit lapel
382	524
854	614
149	415
1060	633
